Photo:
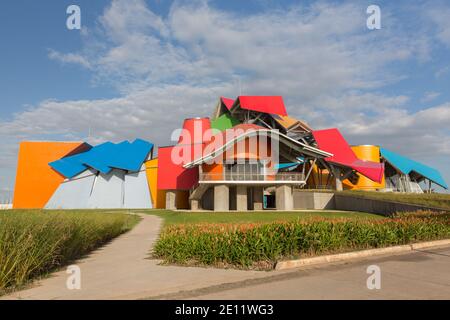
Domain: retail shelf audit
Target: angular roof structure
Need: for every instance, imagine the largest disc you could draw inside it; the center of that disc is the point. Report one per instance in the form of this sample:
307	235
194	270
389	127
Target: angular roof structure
104	157
227	102
243	131
407	166
290	123
264	104
331	140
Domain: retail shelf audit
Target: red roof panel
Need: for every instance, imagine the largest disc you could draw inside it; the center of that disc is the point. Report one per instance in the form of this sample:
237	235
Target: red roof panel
266	104
227	102
331	140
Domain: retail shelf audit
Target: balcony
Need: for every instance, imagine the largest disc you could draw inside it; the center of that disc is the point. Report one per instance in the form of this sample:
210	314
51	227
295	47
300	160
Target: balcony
253	178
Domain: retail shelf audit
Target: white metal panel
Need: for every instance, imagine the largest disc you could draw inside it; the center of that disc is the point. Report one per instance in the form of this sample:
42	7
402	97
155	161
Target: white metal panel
74	193
108	191
137	192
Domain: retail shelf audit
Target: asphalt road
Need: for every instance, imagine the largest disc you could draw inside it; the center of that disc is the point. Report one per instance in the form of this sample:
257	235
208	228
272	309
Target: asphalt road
421	274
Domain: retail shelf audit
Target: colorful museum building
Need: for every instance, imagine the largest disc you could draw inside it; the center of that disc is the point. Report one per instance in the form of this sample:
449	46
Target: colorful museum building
250	155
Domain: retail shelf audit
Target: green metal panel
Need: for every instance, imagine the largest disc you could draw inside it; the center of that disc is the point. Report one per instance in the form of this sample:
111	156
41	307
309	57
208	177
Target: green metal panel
224	122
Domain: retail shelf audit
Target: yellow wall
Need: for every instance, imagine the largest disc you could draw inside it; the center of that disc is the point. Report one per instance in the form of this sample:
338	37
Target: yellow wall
368	153
319	178
158	196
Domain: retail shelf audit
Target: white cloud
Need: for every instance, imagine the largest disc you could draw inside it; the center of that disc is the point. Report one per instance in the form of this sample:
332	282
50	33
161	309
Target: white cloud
152	114
423	134
430	96
69	58
319	48
442	72
440	15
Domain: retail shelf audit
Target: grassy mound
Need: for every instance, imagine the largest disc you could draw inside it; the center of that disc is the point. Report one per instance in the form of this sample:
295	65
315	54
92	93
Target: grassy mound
435	200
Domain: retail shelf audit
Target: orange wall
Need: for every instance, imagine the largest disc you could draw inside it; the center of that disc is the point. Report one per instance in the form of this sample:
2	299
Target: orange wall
368	153
36	181
158	196
242	150
216	169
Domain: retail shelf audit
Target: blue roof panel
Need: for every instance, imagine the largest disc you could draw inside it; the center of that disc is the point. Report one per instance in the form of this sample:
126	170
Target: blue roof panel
406	166
97	157
104	157
68	167
130	156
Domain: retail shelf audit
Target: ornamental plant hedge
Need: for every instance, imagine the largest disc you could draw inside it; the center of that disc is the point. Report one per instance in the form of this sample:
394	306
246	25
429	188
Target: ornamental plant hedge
261	245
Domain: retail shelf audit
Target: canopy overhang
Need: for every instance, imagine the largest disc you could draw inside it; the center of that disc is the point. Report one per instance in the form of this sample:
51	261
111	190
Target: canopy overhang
252	131
409	166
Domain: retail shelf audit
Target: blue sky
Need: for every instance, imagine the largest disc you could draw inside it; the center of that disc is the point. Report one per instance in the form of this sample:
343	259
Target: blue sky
138	67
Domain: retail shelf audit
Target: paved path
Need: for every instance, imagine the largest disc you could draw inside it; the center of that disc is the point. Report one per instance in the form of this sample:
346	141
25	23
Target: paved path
122	270
421	274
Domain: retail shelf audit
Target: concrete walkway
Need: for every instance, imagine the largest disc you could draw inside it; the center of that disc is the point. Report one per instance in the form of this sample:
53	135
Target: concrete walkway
122	270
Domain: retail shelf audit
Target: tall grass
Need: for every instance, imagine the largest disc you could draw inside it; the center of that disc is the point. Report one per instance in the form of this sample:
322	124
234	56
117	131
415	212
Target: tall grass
247	245
33	243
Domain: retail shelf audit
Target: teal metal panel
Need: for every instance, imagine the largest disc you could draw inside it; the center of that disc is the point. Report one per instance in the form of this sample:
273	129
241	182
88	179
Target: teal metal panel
406	166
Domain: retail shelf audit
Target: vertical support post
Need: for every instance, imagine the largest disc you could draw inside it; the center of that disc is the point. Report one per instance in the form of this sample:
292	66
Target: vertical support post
171	200
195	205
337	175
284	197
241	198
221	198
258	198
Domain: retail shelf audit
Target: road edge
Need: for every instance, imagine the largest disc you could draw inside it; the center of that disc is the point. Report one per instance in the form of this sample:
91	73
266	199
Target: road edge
340	257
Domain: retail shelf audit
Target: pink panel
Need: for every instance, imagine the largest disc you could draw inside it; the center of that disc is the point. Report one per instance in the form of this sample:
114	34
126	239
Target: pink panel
331	140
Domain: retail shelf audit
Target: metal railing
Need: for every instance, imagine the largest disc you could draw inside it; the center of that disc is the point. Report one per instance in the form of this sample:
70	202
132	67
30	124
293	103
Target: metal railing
232	176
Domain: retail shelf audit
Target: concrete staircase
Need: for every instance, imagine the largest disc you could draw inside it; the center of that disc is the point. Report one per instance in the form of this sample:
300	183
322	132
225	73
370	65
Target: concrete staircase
197	192
196	195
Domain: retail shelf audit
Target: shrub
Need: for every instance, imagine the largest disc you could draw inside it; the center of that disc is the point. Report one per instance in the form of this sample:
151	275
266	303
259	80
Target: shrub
33	243
247	245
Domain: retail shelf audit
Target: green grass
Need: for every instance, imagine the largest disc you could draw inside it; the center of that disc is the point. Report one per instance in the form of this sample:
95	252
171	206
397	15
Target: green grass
179	217
436	200
35	242
260	245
